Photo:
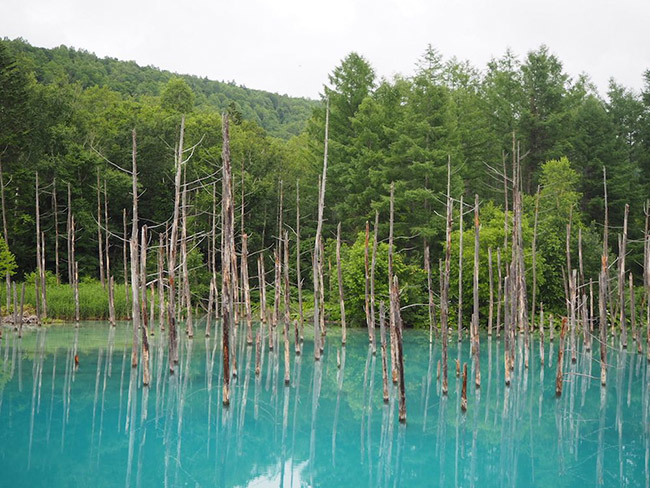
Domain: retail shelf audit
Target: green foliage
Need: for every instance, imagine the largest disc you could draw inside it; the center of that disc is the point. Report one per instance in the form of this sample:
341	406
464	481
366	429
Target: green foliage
177	96
7	260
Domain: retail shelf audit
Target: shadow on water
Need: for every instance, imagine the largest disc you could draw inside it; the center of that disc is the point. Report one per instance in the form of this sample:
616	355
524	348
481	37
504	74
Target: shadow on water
83	415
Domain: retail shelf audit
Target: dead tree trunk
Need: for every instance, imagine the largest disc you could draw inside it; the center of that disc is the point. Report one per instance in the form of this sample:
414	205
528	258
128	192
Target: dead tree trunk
125	262
373	265
463	395
55	207
247	289
319	230
475	335
560	356
366	268
287	309
135	277
621	279
533	310
100	245
393	345
384	363
298	274
444	296
491	304
460	272
427	267
189	325
69	238
400	349
499	291
340	280
228	229
146	377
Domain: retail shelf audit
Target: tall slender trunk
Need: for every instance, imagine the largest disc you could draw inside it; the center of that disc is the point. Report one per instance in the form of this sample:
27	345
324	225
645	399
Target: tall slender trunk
135	275
444	283
534	252
476	340
100	240
55	206
460	272
340	281
189	326
298	274
621	279
247	289
319	230
228	229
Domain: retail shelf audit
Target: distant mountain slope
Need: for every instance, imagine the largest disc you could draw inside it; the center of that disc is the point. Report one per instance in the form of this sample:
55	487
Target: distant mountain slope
281	115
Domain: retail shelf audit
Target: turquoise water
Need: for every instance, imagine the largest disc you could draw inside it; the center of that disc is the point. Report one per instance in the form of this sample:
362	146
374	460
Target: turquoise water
62	426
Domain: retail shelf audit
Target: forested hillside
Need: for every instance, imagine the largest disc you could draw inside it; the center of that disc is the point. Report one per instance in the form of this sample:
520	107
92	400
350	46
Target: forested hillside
70	116
280	115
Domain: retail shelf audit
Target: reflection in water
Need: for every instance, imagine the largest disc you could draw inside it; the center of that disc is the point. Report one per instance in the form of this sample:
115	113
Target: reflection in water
329	427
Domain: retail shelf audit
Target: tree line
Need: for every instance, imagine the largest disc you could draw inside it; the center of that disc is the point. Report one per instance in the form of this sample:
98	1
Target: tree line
69	116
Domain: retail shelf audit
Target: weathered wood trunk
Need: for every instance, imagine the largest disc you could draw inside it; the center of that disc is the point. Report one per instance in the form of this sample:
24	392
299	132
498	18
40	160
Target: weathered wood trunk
432	316
22	305
276	293
301	317
173	246
261	277
125	260
444	282
287	309
393	345
100	245
373	265
475	316
400	350
384	363
499	291
621	279
491	284
366	268
602	308
463	395
560	357
69	238
161	284
189	323
534	256
319	229
133	244
460	271
541	334
248	312
146	377
55	209
228	229
339	272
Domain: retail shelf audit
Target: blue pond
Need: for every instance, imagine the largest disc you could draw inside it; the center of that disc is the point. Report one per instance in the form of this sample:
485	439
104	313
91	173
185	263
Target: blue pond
96	425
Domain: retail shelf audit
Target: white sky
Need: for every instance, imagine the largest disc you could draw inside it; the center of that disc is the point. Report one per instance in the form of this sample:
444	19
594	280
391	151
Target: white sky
289	46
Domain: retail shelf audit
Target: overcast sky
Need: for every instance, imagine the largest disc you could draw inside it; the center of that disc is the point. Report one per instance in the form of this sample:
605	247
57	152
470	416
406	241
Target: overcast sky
289	46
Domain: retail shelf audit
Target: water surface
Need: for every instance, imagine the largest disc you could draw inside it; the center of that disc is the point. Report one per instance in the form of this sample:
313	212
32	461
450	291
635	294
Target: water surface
96	424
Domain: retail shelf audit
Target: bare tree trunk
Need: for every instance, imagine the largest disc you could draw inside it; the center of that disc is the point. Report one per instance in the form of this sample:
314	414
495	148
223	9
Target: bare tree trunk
463	395
491	304
602	290
319	230
276	291
228	228
541	334
373	266
572	312
15	307
475	335
69	240
432	317
262	284
460	273
135	281
384	365
111	301
55	206
444	295
366	268
499	291
22	305
77	313
247	289
100	245
340	280
161	283
5	232
189	325
146	377
125	262
298	274
400	349
173	242
532	313
40	254
287	310
393	345
621	279
560	356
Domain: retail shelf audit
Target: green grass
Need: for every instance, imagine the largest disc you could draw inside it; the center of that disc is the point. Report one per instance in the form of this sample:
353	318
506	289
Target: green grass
93	301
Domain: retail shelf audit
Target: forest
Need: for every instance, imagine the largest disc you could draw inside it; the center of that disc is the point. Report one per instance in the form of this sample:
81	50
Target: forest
67	125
